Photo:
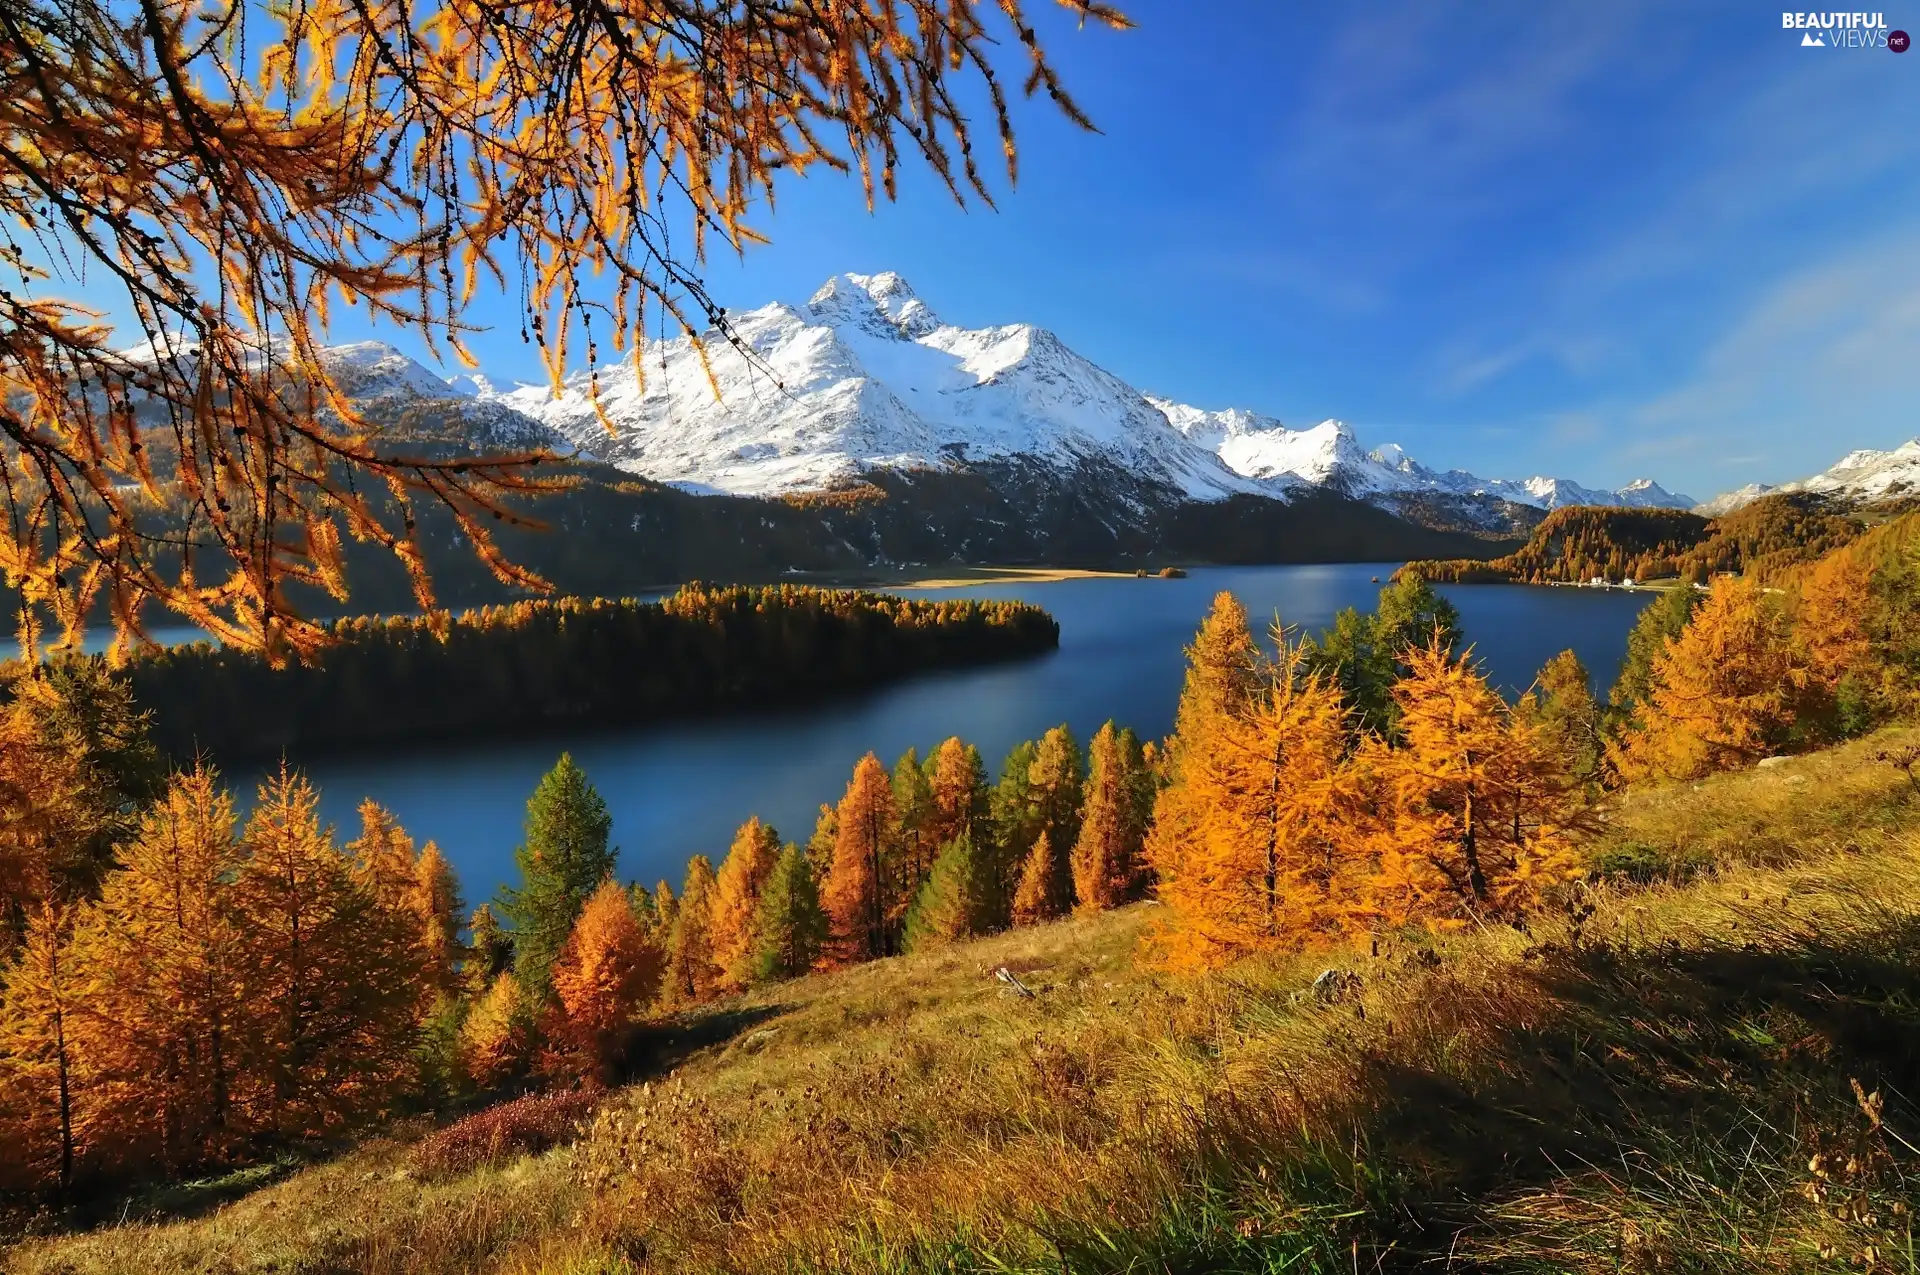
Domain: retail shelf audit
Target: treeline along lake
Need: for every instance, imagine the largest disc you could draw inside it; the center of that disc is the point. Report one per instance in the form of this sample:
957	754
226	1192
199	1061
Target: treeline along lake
537	666
682	786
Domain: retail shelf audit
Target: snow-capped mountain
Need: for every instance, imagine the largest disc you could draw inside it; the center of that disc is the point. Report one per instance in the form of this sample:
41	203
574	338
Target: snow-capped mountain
866	376
1867	476
1330	455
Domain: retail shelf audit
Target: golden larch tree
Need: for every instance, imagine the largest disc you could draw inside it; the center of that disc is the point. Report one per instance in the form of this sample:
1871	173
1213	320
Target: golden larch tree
860	894
1224	669
1727	692
46	1102
383	855
332	975
1474	793
736	899
1831	615
1045	888
43	821
691	975
1106	858
496	1040
959	779
607	971
1271	860
165	964
433	902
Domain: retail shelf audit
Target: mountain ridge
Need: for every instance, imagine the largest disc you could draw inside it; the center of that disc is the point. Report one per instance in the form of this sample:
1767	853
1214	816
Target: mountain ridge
866	375
1863	475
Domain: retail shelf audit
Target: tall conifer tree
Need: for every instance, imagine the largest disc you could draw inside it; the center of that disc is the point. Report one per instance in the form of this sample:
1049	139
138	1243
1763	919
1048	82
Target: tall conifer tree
1106	857
496	1040
1016	822
489	951
1479	807
1562	705
791	929
959	783
1045	888
948	907
915	825
1729	690
736	901
860	889
1272	863
1055	785
1660	622
1224	670
433	901
333	975
562	861
45	1102
691	975
165	962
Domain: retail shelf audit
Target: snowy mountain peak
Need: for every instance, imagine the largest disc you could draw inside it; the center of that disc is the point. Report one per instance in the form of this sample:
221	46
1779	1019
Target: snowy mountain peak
864	376
883	303
1865	475
374	369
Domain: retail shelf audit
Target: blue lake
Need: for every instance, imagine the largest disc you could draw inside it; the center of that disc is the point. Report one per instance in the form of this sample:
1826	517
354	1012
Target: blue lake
679	789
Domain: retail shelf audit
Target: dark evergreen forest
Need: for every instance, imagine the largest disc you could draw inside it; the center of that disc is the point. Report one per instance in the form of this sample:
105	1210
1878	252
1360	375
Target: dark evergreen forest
570	661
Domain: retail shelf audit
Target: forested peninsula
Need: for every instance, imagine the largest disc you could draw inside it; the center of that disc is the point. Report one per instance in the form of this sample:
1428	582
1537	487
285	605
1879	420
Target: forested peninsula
569	661
1574	545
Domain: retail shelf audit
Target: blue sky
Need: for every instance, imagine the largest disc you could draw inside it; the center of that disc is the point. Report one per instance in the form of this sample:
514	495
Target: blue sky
1605	240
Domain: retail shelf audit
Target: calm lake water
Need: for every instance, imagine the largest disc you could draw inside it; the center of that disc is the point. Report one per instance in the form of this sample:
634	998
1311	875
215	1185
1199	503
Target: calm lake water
681	789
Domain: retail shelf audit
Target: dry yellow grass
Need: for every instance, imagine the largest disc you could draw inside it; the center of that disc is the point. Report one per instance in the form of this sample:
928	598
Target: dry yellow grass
1638	1084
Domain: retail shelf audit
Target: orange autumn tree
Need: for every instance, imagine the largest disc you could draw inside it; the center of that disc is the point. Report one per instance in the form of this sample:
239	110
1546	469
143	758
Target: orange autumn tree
46	1101
496	1039
861	890
1106	860
1727	692
235	174
433	904
1832	613
332	976
1477	809
1223	670
1268	860
165	963
959	791
691	975
44	793
736	899
1045	888
609	968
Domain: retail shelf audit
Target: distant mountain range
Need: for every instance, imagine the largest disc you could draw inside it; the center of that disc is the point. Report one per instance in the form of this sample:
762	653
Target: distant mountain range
858	431
866	377
1864	477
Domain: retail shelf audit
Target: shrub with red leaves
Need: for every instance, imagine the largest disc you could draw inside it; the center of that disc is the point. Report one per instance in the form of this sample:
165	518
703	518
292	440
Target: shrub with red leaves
520	1127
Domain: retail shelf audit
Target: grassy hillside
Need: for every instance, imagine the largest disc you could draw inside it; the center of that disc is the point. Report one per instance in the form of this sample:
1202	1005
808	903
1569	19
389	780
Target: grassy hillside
1705	1066
1762	538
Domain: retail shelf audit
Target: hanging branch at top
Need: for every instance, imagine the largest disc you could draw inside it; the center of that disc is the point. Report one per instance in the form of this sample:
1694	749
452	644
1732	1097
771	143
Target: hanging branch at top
234	172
